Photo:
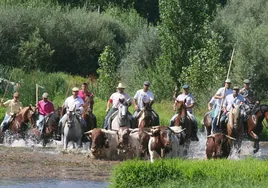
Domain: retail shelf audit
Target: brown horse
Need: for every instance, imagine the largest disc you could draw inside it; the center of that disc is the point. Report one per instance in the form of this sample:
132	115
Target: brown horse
88	115
235	128
207	122
50	126
144	117
255	123
19	125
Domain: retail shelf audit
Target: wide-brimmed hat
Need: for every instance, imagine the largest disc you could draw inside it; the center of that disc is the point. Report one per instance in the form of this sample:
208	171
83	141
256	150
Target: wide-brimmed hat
45	95
185	86
246	81
228	81
146	83
16	94
75	89
235	88
120	86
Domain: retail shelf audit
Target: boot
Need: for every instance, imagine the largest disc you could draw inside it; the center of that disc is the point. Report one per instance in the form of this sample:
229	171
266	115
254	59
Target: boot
5	127
194	133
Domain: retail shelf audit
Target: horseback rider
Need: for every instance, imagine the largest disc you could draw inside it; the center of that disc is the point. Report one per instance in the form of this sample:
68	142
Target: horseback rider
85	92
74	99
13	107
141	96
114	100
231	99
220	95
45	108
250	101
189	103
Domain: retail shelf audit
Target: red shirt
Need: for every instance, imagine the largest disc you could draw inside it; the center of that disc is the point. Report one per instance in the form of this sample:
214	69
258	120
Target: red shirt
82	94
45	108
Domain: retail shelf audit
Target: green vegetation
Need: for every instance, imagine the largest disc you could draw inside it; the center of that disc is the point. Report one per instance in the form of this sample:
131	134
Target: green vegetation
186	173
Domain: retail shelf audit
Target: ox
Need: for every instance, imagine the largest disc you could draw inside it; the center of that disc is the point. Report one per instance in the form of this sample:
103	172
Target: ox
129	145
103	143
218	146
164	142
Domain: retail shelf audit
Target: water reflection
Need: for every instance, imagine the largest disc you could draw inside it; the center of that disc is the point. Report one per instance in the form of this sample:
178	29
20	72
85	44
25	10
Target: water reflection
51	184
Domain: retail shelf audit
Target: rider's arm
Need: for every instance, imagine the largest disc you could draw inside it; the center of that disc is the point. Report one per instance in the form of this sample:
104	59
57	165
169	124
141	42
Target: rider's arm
109	104
174	105
5	104
218	94
191	105
209	106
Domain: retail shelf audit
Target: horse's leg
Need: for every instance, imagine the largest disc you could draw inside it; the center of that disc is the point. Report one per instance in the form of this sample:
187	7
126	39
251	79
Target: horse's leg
256	145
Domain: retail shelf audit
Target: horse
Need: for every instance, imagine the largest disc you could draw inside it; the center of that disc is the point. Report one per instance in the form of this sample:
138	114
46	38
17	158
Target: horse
235	128
185	122
207	122
144	118
88	115
73	128
19	125
50	126
254	122
120	118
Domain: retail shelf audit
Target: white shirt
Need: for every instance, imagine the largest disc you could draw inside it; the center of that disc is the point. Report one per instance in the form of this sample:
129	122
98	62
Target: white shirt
230	99
220	93
142	96
189	99
114	98
78	102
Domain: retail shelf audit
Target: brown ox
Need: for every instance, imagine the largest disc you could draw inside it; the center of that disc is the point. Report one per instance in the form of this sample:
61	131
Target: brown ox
164	143
218	146
129	145
103	143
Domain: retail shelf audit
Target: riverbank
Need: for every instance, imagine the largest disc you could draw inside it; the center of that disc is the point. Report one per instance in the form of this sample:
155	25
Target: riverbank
47	163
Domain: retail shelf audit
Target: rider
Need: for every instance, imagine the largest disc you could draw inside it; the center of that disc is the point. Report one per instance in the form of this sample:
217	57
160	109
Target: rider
114	100
250	101
74	99
189	103
141	96
13	107
231	99
220	94
85	92
45	107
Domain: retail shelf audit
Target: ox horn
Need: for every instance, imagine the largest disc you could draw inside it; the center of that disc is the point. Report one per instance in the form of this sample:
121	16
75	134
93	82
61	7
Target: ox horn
230	137
148	133
211	136
177	132
88	132
155	127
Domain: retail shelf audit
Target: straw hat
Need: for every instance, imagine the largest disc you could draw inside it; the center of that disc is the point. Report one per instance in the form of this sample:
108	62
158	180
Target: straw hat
75	89
45	95
121	86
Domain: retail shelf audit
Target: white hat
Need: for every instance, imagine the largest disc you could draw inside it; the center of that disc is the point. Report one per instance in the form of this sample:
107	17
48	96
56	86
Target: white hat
120	85
75	89
45	95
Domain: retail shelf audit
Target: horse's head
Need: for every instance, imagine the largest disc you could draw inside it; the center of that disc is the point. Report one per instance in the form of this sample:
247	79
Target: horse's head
235	114
89	102
181	105
71	114
123	108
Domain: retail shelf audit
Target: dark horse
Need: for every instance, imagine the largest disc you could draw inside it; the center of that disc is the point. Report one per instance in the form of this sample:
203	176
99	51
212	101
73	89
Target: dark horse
20	123
145	116
255	123
50	126
88	115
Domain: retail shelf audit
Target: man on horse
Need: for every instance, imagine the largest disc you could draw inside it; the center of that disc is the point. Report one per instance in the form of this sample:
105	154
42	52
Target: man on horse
13	107
141	96
45	108
188	98
220	95
250	101
231	99
114	100
85	92
74	99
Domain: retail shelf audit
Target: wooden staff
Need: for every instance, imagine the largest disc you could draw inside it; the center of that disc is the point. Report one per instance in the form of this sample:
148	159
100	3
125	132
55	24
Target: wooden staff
222	100
7	86
36	93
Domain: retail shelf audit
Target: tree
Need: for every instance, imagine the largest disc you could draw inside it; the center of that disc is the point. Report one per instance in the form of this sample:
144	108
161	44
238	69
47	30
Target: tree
108	77
35	53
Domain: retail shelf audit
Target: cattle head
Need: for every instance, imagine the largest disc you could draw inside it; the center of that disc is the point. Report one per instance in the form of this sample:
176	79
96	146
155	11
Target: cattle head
218	145
123	137
162	136
99	139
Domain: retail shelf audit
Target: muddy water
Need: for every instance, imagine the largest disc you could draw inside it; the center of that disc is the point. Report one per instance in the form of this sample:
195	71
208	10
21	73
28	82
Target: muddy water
26	164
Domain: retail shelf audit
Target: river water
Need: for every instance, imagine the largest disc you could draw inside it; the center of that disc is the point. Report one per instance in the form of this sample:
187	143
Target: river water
27	164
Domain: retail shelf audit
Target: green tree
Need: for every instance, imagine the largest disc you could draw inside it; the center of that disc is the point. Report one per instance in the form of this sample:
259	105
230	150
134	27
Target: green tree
35	53
108	77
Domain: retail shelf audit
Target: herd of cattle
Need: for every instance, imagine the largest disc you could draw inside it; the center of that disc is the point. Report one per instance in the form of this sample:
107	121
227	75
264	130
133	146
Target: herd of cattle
151	143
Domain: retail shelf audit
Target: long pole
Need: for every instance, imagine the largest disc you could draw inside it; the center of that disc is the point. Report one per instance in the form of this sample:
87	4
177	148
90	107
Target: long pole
227	77
36	93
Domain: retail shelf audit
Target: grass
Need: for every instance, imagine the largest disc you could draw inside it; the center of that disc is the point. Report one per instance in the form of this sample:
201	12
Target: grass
191	173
